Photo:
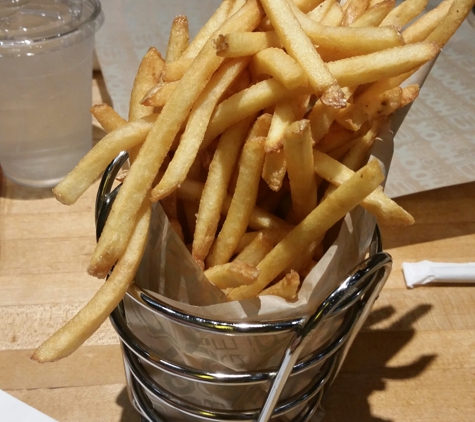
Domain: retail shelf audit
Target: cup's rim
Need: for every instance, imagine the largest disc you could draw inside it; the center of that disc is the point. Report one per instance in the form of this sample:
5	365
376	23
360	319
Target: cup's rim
33	45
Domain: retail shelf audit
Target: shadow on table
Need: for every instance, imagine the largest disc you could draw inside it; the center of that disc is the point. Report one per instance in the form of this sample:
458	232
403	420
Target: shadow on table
129	414
366	367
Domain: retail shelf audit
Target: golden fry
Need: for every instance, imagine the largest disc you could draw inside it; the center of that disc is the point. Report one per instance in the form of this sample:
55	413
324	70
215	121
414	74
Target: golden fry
274	169
196	126
374	15
239	44
178	40
353	9
253	253
298	146
148	75
455	16
313	227
119	225
76	331
159	94
246	103
382	64
404	13
286	288
427	23
244	200
259	219
385	209
232	274
334	16
321	10
107	117
278	64
298	45
215	188
98	158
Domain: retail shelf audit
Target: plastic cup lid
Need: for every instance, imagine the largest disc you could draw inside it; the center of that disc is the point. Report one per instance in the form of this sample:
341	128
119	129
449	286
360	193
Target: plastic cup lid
29	27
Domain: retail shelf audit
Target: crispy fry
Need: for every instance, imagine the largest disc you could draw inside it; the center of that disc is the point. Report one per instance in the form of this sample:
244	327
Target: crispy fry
298	45
385	209
384	104
158	95
274	235
287	288
313	227
374	15
209	28
97	159
409	94
298	145
76	331
195	129
377	88
353	9
246	103
232	274
351	117
283	116
259	219
179	38
307	5
107	117
321	118
274	169
334	16
174	71
338	136
423	26
253	253
404	13
119	225
358	154
244	200
275	62
215	188
148	74
382	64
351	41
321	10
455	16
239	44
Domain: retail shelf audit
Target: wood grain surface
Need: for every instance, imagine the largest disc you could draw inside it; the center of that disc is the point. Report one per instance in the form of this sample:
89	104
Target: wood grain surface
413	361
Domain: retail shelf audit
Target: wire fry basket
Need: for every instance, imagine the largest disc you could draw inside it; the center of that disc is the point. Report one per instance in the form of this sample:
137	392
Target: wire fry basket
165	389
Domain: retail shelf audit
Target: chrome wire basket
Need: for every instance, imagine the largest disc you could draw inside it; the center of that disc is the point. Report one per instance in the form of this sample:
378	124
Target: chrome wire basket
168	390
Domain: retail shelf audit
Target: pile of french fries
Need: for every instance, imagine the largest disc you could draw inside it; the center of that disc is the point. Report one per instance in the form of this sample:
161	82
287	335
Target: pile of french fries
255	139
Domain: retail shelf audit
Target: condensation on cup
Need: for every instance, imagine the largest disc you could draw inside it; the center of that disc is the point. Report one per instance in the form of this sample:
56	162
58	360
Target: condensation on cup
46	53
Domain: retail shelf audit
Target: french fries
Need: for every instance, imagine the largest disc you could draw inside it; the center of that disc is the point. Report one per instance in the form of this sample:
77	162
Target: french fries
240	126
90	318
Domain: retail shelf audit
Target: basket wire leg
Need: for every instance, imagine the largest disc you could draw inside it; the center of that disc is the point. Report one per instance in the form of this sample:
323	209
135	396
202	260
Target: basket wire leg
378	262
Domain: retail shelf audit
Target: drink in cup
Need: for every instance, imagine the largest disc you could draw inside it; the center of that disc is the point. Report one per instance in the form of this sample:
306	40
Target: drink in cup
46	51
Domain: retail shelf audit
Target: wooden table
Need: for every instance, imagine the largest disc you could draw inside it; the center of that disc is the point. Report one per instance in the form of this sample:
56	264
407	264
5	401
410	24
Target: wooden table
413	361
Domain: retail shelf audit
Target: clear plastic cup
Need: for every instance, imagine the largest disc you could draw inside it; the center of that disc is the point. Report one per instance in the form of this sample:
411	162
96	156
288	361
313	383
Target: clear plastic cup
46	53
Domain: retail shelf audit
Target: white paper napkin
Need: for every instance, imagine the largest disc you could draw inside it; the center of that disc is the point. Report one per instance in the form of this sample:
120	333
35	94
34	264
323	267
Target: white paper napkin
424	272
13	410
